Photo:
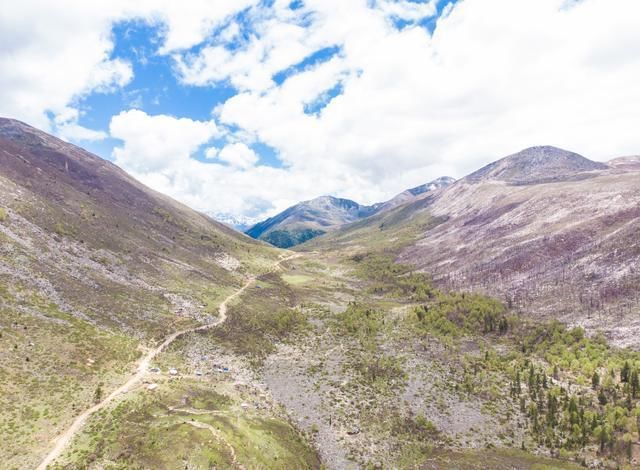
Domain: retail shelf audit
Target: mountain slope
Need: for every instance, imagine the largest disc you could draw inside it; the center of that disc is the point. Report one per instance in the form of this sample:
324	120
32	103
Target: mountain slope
411	194
309	219
93	265
555	235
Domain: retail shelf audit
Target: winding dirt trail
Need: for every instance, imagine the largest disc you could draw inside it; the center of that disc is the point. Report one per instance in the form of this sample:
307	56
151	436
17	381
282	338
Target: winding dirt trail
63	439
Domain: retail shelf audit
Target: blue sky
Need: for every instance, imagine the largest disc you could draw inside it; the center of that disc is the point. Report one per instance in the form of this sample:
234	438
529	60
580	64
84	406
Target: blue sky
245	107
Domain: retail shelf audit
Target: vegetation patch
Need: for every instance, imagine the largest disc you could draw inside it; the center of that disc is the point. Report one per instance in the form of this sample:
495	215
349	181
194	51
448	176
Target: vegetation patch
264	316
151	431
289	238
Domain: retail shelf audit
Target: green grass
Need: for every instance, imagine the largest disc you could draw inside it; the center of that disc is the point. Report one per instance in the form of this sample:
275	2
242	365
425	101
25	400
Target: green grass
539	371
142	432
50	366
263	316
498	459
296	279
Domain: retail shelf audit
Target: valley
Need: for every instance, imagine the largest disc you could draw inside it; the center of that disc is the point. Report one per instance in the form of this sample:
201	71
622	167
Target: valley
452	328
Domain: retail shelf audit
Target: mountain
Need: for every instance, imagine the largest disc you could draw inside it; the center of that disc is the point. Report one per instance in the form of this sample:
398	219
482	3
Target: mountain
309	219
139	333
93	266
625	163
239	223
410	194
537	165
548	231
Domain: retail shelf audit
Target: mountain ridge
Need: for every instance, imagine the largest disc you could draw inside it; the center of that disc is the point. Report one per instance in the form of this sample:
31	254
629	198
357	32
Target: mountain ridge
309	219
536	165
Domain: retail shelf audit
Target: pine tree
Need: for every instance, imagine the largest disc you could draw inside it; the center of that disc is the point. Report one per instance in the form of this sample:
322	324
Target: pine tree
552	409
625	372
602	397
603	436
635	383
531	376
595	380
97	395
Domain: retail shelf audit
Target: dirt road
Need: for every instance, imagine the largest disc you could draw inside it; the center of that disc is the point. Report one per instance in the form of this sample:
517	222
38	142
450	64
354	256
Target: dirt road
63	439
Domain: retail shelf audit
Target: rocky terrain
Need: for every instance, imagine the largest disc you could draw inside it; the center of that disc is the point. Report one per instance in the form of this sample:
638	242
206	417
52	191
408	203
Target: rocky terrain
412	193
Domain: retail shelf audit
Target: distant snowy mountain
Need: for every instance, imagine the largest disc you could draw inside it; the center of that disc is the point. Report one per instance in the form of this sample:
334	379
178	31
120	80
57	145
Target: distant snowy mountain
237	222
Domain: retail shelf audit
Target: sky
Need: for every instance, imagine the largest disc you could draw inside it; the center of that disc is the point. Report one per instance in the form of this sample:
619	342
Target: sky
245	107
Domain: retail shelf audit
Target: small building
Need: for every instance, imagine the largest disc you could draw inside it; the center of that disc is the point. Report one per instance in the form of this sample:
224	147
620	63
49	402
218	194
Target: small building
173	371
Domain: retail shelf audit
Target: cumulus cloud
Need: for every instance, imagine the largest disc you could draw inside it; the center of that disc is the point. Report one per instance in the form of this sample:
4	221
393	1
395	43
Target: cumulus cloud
211	152
155	143
405	10
54	53
238	155
160	151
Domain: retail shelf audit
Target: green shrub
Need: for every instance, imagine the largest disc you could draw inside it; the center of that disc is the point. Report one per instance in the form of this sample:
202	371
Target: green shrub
392	279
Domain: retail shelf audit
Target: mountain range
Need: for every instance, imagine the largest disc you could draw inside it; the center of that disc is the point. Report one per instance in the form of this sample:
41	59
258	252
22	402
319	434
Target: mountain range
309	219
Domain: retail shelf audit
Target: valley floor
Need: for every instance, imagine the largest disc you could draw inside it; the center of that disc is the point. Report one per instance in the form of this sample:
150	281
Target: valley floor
342	361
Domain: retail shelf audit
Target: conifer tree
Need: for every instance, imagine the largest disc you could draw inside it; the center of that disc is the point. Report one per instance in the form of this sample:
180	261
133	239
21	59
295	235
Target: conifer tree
635	383
595	380
625	372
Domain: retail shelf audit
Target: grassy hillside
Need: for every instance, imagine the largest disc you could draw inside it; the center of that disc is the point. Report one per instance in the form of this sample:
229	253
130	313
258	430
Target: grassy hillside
93	267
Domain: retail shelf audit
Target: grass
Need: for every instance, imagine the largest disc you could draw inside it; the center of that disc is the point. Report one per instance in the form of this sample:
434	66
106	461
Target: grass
143	432
475	346
263	316
50	366
498	459
296	279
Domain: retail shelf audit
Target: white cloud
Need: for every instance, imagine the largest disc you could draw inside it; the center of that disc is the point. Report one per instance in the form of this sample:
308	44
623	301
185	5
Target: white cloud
238	155
405	10
159	151
155	143
211	153
190	23
54	53
77	133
